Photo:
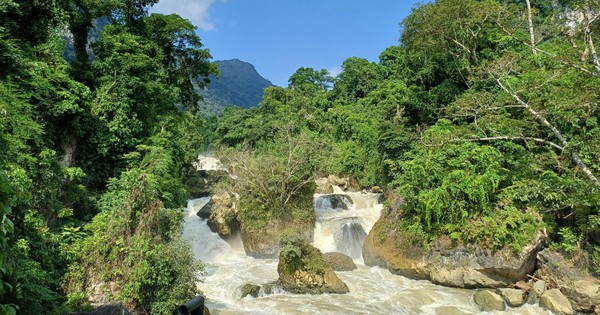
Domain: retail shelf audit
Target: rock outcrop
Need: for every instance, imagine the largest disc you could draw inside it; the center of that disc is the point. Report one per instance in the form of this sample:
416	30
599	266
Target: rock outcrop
577	285
445	263
202	176
265	242
223	215
202	208
339	261
302	269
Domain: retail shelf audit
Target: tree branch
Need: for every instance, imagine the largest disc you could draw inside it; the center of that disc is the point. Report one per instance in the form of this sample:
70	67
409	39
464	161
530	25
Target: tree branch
555	131
521	138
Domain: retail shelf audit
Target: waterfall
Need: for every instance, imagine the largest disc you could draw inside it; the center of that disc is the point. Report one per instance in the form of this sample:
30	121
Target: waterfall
207	246
343	221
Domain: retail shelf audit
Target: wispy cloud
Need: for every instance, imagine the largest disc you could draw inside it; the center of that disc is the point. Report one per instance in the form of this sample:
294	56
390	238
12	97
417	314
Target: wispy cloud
335	71
193	10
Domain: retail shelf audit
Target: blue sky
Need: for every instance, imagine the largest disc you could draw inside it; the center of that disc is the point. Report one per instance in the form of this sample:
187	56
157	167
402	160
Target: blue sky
278	37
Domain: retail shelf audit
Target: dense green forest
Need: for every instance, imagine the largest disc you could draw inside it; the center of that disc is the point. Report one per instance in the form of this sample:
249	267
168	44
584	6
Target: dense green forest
93	153
485	119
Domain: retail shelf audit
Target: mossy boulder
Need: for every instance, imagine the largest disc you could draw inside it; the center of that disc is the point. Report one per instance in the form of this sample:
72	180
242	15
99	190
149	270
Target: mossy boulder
303	270
249	289
223	215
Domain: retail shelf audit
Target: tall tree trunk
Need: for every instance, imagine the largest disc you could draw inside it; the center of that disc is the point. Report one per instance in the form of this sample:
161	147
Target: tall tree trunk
593	53
531	30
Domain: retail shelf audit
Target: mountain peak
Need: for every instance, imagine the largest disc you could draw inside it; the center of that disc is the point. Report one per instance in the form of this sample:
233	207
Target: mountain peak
238	85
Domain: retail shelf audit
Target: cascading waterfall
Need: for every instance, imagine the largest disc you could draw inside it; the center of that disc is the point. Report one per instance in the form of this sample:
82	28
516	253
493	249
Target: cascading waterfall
343	220
206	245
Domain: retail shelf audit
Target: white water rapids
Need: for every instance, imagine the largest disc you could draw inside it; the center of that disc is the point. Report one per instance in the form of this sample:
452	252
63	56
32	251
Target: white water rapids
373	290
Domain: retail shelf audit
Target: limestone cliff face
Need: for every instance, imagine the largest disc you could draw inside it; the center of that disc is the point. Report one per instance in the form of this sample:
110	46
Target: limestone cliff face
455	265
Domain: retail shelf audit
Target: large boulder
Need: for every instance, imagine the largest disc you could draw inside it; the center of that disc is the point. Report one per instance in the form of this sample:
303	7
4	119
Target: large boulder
223	215
513	297
202	207
264	242
445	263
555	301
579	287
489	301
323	186
302	269
339	261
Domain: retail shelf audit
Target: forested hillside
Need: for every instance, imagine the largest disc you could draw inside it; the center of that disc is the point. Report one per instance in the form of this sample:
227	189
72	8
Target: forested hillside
484	119
238	84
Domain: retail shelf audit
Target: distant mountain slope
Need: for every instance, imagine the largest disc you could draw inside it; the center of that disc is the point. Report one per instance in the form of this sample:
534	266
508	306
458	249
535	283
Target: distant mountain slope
239	85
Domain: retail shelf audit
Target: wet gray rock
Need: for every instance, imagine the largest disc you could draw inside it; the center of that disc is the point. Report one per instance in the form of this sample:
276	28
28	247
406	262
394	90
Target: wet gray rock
488	300
202	209
249	289
333	201
537	289
513	297
339	261
556	302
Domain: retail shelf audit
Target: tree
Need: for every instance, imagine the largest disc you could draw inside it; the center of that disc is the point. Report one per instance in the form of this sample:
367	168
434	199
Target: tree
310	79
187	63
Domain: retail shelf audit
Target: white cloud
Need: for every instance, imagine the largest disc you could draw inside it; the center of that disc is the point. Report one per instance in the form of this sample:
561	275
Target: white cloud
335	71
193	10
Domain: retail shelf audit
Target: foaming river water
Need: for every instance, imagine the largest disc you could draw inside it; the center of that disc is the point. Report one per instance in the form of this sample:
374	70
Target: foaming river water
343	220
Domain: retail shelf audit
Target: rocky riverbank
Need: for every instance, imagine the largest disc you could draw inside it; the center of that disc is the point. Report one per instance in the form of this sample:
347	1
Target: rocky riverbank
507	277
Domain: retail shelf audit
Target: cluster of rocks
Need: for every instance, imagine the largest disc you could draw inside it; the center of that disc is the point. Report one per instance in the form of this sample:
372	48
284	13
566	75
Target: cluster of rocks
499	299
325	184
557	286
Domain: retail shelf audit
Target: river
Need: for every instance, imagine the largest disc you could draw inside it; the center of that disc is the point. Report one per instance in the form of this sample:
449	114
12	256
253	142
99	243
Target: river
343	220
